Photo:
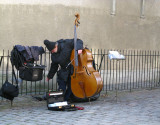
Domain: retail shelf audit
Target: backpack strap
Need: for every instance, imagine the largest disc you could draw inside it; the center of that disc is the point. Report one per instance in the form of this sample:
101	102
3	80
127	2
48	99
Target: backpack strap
13	72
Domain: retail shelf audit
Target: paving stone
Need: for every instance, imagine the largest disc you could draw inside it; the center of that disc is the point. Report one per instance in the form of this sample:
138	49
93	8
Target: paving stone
130	108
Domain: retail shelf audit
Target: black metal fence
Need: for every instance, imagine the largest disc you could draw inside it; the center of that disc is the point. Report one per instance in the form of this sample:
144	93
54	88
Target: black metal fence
139	69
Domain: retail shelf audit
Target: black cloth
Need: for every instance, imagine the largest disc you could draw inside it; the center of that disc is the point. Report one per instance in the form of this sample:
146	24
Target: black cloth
62	58
36	51
30	52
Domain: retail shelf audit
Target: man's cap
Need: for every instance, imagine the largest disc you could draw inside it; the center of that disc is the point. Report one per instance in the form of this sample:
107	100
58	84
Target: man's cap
50	45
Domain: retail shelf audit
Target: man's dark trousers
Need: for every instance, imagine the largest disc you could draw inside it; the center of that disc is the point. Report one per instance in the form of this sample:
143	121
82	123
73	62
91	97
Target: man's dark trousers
66	87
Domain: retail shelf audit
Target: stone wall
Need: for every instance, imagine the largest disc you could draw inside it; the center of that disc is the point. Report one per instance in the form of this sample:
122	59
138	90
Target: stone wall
30	22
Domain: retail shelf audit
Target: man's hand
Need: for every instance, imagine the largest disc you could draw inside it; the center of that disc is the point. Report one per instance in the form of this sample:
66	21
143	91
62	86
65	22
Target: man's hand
79	51
48	79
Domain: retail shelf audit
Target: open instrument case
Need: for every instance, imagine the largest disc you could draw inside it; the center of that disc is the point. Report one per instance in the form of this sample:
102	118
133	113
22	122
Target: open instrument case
55	101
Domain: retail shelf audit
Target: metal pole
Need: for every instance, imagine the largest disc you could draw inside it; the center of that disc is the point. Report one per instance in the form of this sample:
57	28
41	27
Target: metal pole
142	9
113	10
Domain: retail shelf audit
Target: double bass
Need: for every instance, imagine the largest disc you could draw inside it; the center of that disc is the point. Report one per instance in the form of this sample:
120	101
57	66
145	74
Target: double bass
85	81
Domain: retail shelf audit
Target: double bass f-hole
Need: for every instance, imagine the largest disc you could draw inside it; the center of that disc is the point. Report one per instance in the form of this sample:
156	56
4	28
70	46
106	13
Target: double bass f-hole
75	73
87	70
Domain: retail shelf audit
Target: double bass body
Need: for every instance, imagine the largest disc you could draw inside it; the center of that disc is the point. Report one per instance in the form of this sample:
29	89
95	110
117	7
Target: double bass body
85	81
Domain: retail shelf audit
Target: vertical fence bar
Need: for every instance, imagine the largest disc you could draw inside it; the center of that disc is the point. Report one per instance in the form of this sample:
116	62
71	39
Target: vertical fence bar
45	63
133	67
136	69
128	70
119	75
35	87
157	76
149	69
152	80
123	71
155	69
113	79
125	80
31	88
110	78
100	62
26	87
104	64
48	70
131	73
40	81
152	57
154	66
8	64
98	58
116	86
144	68
95	58
3	68
158	66
139	74
141	70
107	74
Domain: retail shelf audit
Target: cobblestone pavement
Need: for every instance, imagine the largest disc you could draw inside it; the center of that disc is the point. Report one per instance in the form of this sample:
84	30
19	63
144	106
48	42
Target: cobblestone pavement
129	108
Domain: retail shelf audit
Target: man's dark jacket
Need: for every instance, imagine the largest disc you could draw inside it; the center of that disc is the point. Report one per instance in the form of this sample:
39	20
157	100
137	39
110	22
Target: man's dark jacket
62	58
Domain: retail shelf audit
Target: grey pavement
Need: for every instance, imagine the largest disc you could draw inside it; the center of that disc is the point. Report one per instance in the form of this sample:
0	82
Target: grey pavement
140	107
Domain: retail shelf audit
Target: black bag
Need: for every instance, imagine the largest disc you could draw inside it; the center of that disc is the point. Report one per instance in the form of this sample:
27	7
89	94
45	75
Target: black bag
31	72
8	90
27	69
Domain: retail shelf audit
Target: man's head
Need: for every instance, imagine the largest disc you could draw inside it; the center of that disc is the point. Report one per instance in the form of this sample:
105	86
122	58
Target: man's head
51	46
